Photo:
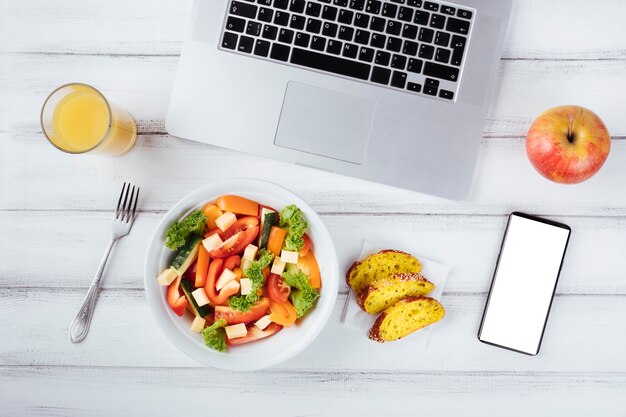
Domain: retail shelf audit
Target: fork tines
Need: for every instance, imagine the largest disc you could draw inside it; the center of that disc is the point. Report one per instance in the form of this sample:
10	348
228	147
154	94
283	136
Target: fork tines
126	211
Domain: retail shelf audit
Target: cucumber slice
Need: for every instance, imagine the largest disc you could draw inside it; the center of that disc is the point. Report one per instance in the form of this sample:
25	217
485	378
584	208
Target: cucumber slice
186	255
269	218
188	289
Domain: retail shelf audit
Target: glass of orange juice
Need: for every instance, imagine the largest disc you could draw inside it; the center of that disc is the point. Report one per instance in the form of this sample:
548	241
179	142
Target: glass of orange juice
77	118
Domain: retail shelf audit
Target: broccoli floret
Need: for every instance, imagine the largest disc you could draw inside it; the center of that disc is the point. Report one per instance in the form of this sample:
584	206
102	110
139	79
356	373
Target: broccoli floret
292	218
215	336
302	295
255	273
178	232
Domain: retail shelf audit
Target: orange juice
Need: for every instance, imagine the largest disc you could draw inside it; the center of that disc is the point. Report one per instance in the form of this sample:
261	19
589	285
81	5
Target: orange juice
77	118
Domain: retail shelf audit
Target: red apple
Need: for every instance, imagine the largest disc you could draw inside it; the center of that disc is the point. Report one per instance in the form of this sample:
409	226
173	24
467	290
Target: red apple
568	144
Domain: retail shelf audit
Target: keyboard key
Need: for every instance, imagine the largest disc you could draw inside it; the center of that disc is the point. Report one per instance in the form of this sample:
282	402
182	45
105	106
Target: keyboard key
448	10
238	8
361	20
329	63
313	25
330	29
366	54
265	15
421	17
362	37
426	35
465	14
393	27
297	6
446	94
437	21
442	55
410	48
458	26
267	3
415	65
281	4
381	75
302	39
280	52
285	36
261	48
431	91
334	47
390	10
398	61
398	1
346	33
378	40
405	14
426	51
431	6
409	31
429	82
414	3
318	43
270	32
345	16
382	58
378	23
350	50
253	28
342	3
373	6
394	44
229	41
458	46
329	13
441	71
313	9
246	43
357	4
414	87
281	18
398	79
442	39
235	24
297	22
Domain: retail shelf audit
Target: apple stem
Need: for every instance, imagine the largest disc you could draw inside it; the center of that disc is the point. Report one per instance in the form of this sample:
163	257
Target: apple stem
571	136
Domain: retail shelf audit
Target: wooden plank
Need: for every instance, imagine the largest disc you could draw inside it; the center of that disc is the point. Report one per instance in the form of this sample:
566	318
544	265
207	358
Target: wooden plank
35	176
581	336
81	391
157	27
40	241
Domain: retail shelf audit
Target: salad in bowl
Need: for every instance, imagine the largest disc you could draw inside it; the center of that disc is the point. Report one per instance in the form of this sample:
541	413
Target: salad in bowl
239	265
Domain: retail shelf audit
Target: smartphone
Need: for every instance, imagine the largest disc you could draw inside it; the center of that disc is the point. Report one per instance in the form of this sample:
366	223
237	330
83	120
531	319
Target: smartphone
524	283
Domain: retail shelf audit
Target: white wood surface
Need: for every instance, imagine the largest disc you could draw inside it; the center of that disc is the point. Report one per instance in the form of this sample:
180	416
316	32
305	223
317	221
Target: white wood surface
54	211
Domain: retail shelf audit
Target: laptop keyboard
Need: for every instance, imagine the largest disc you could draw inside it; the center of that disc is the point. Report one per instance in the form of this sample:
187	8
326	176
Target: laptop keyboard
410	45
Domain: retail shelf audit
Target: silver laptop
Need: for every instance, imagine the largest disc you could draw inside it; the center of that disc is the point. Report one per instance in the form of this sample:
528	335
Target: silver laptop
392	91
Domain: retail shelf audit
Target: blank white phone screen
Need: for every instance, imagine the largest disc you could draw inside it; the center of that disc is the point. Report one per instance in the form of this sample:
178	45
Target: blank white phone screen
523	284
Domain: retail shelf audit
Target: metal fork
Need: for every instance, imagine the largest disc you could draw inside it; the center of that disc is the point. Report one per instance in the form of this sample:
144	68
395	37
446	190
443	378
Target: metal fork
120	227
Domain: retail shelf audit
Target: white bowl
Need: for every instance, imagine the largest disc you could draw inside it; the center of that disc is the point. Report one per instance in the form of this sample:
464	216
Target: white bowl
263	353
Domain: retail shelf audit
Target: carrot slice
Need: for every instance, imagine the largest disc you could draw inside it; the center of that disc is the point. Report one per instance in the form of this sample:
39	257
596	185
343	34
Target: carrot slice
276	239
308	265
212	212
239	205
203	266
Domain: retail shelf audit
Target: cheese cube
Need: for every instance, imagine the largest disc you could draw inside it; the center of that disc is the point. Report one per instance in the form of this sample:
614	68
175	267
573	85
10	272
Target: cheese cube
212	242
225	221
250	252
246	286
289	257
167	277
197	324
263	322
278	266
226	277
200	296
236	330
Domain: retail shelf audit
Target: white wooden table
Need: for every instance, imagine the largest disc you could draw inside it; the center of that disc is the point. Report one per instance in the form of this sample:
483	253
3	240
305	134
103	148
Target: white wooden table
55	208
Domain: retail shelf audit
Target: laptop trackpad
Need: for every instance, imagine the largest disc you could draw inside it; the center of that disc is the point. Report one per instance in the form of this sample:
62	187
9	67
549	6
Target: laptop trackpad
325	122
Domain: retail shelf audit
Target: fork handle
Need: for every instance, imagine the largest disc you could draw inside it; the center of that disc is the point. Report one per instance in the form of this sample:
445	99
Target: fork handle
80	325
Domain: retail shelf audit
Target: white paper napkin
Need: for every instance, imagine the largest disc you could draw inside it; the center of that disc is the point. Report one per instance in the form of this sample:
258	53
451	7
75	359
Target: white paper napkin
357	319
